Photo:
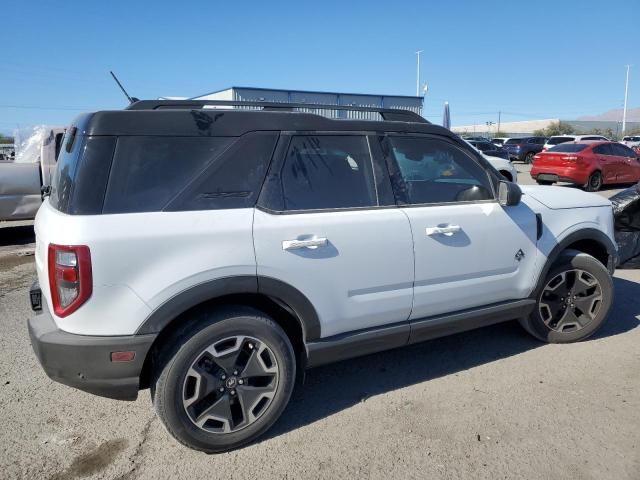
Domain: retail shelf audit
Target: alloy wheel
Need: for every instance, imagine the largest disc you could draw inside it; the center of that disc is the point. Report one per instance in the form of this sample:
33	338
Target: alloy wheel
570	300
230	384
595	181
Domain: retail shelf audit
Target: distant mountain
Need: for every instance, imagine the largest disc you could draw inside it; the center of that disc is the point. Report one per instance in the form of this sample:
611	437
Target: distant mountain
633	115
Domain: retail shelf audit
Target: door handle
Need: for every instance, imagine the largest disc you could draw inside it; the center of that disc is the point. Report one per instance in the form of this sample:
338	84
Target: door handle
312	243
447	230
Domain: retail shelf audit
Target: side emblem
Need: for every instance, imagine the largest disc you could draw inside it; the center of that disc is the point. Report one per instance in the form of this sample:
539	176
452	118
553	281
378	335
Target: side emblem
519	255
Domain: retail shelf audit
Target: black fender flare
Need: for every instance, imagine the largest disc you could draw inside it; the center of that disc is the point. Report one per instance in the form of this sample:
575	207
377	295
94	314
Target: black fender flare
584	234
281	292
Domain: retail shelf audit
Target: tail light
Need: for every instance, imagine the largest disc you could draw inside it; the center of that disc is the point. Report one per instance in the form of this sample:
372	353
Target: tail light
70	278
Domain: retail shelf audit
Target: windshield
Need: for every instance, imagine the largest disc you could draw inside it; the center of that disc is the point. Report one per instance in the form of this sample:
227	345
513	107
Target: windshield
557	140
569	147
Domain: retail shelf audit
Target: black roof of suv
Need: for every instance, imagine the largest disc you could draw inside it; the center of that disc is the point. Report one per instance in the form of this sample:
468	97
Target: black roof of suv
198	118
183	155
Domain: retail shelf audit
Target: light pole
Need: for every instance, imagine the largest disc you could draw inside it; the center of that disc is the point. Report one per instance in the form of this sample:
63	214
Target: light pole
418	72
624	110
489	127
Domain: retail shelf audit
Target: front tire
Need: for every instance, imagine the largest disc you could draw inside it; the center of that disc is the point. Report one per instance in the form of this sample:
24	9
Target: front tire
573	301
225	380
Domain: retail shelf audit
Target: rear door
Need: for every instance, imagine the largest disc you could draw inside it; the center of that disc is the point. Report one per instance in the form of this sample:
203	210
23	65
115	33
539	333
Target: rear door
469	251
326	224
610	164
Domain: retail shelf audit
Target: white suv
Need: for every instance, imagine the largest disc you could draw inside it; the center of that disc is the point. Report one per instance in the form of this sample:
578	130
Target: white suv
213	255
558	139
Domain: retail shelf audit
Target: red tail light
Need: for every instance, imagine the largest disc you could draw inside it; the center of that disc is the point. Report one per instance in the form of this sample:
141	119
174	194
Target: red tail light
70	278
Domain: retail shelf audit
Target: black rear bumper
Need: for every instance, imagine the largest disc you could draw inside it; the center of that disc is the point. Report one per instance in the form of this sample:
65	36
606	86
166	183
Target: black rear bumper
84	362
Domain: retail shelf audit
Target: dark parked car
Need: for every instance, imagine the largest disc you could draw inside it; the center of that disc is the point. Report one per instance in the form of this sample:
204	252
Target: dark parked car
490	149
524	149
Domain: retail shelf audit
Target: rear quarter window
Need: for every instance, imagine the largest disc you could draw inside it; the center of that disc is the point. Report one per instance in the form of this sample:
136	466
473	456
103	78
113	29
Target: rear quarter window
148	171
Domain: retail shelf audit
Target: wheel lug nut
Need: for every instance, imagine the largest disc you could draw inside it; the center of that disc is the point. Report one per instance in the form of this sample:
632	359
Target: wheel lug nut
223	377
235	372
233	392
240	382
221	389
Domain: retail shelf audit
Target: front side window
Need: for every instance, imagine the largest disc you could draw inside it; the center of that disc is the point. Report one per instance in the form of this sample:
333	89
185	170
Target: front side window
622	151
428	170
328	172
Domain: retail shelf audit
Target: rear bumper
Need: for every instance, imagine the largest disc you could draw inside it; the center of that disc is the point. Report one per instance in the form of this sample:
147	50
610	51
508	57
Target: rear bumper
564	174
84	362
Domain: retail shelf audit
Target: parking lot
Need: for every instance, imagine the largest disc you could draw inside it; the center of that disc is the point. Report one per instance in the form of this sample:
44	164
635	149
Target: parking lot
491	403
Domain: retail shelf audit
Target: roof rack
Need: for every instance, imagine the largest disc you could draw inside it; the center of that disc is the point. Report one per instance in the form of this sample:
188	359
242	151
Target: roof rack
388	114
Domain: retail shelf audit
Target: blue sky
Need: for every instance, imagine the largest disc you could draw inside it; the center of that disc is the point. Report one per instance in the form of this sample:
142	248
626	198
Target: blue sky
527	59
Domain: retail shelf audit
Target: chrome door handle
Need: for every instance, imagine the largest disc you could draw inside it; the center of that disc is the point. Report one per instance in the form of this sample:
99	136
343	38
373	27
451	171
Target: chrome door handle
448	230
307	243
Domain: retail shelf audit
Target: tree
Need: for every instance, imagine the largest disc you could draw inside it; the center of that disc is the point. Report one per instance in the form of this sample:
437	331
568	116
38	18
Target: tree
555	128
4	139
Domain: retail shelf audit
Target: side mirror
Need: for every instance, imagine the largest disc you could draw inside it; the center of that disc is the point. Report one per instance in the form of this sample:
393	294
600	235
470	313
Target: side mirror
509	193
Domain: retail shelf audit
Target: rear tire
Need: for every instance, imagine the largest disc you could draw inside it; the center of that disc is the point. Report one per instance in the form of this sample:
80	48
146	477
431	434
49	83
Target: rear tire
528	158
544	182
573	301
224	380
595	182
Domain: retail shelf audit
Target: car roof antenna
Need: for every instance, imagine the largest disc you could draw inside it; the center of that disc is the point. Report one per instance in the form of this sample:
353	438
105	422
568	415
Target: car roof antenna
131	99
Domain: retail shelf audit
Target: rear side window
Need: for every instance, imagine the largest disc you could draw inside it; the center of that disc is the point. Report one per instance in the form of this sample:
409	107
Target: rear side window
513	141
603	149
232	180
327	172
149	171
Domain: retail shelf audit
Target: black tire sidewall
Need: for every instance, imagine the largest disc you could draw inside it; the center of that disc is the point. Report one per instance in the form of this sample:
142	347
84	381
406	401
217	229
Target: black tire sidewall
590	188
528	158
168	388
589	264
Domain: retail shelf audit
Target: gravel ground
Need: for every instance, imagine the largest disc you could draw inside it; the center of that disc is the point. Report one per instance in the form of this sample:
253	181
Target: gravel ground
491	403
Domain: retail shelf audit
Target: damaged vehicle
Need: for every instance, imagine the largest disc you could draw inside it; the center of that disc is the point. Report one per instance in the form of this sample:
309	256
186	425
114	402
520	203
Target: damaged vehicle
212	255
626	212
22	179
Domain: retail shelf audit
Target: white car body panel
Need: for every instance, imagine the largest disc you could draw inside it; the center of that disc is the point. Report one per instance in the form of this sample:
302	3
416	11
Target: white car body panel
362	278
141	260
476	266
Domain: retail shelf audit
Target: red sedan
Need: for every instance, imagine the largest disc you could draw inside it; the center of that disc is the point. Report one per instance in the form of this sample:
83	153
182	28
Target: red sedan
590	164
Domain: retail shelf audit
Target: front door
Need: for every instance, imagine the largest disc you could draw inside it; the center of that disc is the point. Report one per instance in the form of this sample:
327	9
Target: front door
469	250
325	227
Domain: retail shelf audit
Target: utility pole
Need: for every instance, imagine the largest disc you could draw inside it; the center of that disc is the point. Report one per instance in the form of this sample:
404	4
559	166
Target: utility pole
499	121
624	110
418	72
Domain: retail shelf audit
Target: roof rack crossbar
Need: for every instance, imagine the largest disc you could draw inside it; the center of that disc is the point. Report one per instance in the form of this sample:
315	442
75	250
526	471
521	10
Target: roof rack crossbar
390	114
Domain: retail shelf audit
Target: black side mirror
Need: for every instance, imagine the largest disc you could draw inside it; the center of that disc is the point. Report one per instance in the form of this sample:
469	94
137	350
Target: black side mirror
509	193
